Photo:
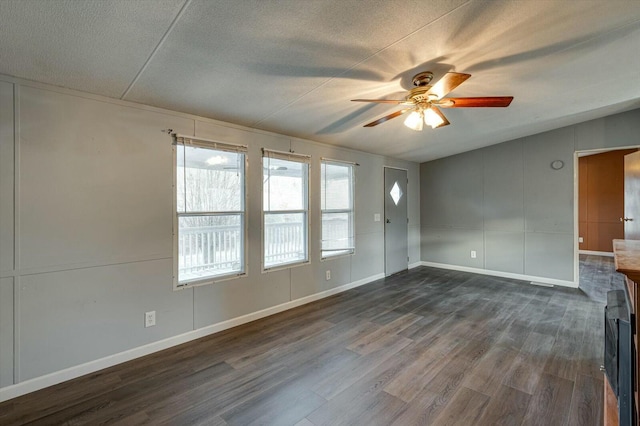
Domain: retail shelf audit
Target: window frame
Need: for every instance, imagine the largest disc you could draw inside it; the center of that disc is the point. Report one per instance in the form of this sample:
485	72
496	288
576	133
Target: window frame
214	145
352	210
294	157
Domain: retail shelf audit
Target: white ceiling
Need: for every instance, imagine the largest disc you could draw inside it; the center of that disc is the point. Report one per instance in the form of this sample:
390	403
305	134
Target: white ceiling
292	66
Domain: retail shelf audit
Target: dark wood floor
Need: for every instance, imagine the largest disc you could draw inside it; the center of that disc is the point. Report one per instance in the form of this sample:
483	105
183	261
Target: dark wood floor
598	276
426	347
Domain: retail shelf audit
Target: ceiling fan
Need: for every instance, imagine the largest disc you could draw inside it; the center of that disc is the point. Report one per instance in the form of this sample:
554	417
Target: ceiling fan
423	101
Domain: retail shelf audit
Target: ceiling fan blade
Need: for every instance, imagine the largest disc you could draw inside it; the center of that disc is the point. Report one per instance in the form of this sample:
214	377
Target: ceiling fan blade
445	122
388	117
384	101
490	101
446	84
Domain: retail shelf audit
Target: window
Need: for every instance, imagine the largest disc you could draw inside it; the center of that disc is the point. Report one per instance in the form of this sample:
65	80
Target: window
336	189
285	208
210	211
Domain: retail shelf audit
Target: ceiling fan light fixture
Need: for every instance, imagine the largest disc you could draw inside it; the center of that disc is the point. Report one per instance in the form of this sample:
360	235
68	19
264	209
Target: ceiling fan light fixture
414	120
431	118
424	101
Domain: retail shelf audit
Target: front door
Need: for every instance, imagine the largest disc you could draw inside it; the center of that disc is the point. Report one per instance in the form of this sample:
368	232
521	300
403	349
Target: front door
632	196
396	247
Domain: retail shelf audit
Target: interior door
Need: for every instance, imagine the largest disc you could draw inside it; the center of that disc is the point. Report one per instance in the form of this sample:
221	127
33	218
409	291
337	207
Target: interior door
631	217
396	247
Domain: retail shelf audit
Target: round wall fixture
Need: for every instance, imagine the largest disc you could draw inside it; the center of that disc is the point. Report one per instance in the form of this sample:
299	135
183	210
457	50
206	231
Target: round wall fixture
557	164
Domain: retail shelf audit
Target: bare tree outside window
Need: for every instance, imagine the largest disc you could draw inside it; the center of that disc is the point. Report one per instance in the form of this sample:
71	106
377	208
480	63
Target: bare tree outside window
210	207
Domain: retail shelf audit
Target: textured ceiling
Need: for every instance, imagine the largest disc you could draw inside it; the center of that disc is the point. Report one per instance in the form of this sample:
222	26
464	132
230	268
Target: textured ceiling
292	66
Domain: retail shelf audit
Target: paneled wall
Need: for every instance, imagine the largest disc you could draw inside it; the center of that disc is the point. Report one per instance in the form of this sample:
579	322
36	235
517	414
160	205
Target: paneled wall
86	229
507	203
601	199
7	185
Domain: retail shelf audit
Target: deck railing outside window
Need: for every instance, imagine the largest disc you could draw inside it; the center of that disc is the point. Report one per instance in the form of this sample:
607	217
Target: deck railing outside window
207	250
218	249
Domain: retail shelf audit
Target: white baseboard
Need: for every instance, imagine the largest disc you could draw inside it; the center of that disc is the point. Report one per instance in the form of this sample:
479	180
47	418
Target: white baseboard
522	277
32	385
415	265
596	253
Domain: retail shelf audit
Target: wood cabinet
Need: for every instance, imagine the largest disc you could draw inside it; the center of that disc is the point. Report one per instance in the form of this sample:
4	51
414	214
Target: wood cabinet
627	261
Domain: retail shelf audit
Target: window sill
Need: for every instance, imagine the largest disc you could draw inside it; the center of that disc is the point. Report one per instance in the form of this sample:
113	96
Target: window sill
199	282
336	256
285	266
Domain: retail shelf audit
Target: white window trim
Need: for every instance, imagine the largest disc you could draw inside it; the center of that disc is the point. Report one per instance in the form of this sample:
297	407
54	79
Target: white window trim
221	146
343	253
288	156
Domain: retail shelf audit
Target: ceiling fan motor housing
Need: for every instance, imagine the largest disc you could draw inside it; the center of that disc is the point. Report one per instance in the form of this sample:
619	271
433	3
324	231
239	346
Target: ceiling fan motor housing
420	94
422	79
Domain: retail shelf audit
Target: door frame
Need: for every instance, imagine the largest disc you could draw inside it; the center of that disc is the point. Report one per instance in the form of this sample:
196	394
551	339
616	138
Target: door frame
576	205
384	229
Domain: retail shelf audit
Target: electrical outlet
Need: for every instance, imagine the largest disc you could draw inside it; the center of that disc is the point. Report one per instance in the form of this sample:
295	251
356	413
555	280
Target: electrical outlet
150	319
328	275
474	254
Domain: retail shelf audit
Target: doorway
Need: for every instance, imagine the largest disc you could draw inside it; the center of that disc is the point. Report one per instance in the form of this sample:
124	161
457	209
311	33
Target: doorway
599	207
396	246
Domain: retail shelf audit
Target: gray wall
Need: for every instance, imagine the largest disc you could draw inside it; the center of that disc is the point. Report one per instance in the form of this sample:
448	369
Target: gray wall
507	203
86	248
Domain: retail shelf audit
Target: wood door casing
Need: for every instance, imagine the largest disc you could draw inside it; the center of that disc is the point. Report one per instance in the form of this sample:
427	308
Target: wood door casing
582	202
601	199
632	196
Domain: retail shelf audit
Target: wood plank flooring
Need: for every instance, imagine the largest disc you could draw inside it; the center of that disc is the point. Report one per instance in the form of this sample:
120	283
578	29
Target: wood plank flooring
424	347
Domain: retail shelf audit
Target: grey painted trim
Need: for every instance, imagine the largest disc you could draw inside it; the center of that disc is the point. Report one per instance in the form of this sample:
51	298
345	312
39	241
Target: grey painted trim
16	233
87	265
174	222
16	172
16	329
